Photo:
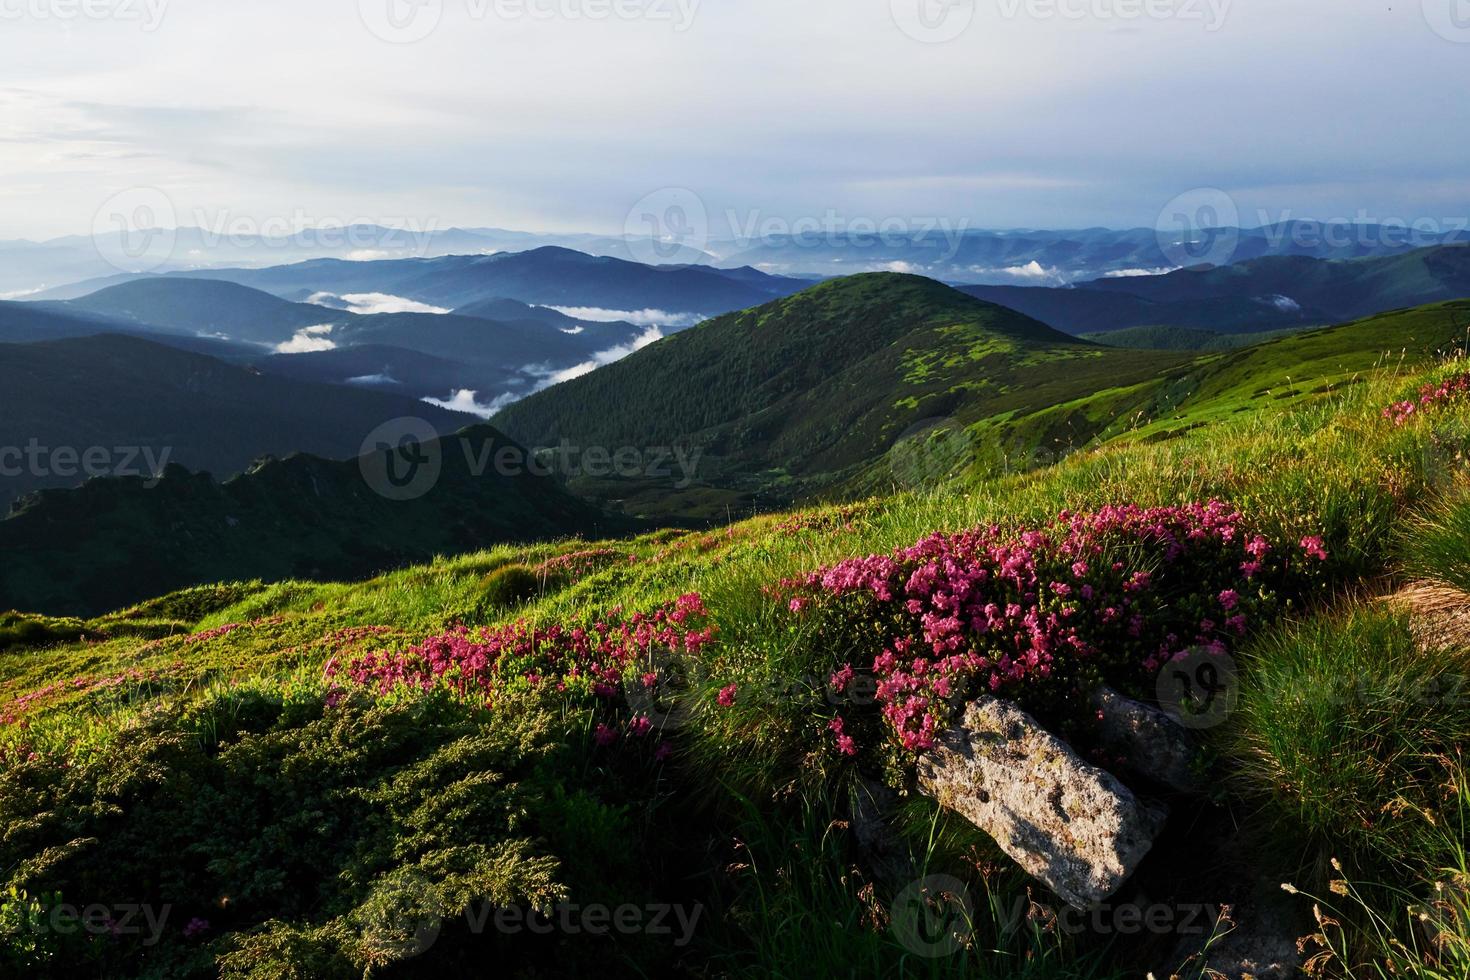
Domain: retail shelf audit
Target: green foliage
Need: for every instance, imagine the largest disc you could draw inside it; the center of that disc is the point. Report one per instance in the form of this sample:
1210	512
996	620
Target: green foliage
26	630
508	587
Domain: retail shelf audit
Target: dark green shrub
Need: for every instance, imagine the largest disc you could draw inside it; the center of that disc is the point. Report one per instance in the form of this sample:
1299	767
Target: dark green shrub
508	587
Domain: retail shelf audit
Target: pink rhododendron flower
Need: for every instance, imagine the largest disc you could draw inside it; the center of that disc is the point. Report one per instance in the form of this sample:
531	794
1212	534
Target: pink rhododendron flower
1314	548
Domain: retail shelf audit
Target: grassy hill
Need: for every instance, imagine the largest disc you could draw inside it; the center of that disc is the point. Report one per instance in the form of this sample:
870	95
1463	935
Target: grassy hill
1181	338
874	382
320	819
809	392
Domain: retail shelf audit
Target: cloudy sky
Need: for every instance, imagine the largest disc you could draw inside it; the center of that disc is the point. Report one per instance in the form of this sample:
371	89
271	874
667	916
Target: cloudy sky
561	115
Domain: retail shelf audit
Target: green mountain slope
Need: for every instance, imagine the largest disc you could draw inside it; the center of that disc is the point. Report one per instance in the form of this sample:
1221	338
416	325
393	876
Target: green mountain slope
1181	338
113	542
868	383
807	393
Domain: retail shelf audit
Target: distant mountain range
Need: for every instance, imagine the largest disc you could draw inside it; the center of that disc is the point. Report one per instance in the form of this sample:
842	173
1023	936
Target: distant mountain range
1053	258
549	276
1259	295
420	355
137	405
116	541
947	250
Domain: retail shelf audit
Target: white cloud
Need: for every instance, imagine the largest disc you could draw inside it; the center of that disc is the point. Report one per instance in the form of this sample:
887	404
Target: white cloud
308	341
1031	270
374	380
19	293
369	303
1284	303
573	330
467	400
641	318
603	358
1139	273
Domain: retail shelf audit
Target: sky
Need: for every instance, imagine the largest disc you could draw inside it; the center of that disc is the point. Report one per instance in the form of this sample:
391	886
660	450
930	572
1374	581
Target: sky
570	115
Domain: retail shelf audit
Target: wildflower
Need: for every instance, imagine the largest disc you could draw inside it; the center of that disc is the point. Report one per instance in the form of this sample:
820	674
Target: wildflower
1313	547
605	736
726	697
196	927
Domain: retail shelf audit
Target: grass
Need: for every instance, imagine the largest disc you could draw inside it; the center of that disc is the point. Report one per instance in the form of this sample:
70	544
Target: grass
219	689
1351	733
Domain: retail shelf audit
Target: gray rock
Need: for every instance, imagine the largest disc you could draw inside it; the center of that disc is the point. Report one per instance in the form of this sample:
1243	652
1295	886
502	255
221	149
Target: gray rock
1071	825
1150	742
870	807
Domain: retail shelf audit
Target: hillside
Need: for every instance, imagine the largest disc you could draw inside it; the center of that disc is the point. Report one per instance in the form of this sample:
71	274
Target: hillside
808	392
114	542
203	307
367	770
124	395
863	384
1182	338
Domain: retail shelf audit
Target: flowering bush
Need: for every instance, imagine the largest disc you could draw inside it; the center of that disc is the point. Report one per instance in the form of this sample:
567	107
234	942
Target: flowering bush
597	660
1430	395
1048	613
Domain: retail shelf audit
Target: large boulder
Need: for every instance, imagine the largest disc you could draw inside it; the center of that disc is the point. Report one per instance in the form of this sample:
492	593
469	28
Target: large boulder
1149	742
1071	825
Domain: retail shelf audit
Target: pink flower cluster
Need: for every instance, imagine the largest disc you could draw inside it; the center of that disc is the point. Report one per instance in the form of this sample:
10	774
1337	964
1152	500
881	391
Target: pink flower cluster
597	659
1430	395
575	564
1049	611
12	713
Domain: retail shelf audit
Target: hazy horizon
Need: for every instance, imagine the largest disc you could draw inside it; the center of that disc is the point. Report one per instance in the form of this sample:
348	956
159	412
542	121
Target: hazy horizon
570	115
